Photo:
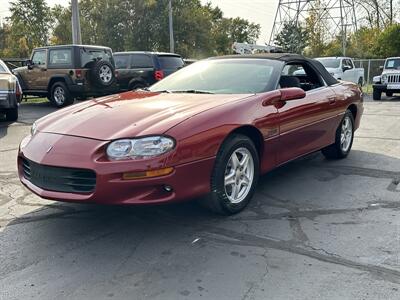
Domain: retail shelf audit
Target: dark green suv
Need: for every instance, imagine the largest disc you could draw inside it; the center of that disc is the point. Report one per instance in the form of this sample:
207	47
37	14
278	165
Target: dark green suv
63	73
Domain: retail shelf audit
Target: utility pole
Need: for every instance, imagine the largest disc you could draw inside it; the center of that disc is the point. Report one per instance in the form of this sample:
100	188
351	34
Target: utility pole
76	24
171	29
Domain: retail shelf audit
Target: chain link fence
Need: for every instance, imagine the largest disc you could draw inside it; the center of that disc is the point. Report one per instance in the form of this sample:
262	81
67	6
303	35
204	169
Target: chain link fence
372	67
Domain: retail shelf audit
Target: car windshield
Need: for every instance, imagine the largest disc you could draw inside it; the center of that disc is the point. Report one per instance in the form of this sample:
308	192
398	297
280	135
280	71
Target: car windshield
224	76
393	64
330	62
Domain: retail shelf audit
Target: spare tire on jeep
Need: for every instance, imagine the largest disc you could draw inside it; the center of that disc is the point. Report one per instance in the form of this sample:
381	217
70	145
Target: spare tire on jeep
102	73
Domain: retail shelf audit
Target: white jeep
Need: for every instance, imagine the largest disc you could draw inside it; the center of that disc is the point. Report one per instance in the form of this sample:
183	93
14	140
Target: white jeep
389	81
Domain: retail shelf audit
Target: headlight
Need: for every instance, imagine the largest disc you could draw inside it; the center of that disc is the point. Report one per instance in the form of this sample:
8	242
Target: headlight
140	148
384	77
33	128
376	79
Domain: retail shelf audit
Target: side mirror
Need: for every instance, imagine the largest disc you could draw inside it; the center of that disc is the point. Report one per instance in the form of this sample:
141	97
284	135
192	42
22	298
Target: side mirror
381	68
29	64
288	94
283	95
346	68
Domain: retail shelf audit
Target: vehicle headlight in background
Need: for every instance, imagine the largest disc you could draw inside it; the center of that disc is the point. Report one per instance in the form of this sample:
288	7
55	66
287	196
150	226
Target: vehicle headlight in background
140	148
384	77
33	128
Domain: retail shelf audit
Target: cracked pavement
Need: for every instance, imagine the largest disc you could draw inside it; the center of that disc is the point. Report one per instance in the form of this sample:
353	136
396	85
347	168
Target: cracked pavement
316	229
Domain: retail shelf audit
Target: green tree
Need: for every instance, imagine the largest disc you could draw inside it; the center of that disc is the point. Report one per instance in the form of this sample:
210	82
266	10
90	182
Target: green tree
388	42
317	28
30	24
292	38
199	30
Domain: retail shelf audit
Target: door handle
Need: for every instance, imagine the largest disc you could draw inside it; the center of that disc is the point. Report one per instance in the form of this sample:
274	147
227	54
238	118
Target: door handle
332	100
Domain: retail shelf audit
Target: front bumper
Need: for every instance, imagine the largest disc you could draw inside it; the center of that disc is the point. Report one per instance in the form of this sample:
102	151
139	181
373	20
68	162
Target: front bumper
385	88
187	180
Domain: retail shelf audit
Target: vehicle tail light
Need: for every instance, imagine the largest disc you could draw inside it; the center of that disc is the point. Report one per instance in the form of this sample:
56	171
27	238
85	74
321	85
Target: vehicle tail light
116	73
78	73
158	75
17	90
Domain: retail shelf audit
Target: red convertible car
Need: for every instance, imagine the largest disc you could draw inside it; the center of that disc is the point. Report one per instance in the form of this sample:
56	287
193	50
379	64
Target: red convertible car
209	130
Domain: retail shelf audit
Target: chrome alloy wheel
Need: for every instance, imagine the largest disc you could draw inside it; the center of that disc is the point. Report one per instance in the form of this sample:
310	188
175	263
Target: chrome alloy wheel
59	95
346	135
239	175
105	74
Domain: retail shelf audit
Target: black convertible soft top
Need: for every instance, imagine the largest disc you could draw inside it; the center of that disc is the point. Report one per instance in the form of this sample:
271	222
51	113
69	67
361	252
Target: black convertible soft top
289	58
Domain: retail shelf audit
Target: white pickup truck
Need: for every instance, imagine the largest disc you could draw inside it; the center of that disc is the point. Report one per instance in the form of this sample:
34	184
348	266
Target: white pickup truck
342	68
389	81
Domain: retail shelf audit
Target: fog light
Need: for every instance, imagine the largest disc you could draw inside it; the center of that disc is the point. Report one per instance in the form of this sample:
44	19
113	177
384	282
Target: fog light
147	174
168	188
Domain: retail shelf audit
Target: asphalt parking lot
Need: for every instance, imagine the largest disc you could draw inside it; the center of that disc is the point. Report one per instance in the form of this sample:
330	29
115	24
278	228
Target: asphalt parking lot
316	229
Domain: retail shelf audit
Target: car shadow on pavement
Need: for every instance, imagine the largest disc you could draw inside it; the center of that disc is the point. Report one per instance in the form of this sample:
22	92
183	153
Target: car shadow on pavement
286	177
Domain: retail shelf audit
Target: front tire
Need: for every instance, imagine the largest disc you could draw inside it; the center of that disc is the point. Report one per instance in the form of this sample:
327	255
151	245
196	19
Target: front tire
12	114
235	175
377	95
60	95
343	140
389	94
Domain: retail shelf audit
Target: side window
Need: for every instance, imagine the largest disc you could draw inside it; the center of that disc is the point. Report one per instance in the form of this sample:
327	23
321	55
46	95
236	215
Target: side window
121	61
39	58
60	57
351	63
347	63
141	61
300	75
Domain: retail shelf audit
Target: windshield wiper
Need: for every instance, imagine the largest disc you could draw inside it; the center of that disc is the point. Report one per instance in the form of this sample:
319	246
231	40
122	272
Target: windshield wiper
193	92
148	90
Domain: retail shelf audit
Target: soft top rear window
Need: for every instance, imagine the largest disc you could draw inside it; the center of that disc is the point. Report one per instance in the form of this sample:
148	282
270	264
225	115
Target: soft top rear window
170	62
89	55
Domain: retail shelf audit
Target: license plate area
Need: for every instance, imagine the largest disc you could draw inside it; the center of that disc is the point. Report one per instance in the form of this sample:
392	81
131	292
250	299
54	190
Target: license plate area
393	86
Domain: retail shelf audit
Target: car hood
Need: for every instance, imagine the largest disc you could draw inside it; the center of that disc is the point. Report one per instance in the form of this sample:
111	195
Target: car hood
130	114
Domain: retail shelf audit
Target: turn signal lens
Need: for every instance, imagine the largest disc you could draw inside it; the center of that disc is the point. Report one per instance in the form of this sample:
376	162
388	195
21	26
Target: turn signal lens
147	174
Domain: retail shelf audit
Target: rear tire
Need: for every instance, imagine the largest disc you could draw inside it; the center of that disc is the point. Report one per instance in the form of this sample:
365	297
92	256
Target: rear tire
103	74
377	95
360	82
343	140
235	175
12	114
60	95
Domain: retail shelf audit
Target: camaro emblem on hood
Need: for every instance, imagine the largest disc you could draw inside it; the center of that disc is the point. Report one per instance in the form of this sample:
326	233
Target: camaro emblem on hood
48	150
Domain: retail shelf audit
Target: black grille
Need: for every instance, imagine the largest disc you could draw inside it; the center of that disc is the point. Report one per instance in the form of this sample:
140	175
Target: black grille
59	179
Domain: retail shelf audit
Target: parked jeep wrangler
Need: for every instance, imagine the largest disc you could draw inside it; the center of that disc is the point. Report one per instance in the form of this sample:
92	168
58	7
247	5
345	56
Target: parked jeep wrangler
63	73
389	81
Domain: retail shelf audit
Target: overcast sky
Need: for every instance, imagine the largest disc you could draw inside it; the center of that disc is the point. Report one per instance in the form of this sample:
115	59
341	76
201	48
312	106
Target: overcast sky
257	11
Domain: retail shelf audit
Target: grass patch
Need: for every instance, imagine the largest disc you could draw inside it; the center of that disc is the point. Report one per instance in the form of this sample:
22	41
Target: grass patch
367	89
34	100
